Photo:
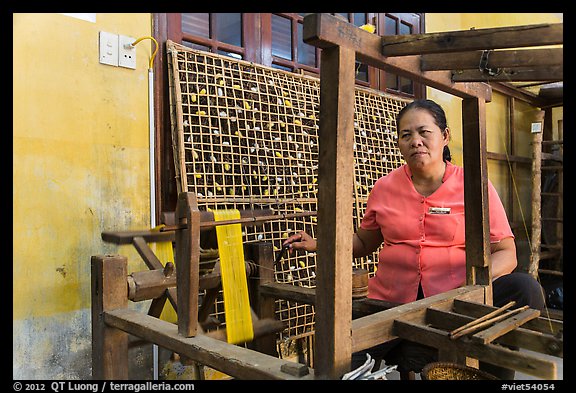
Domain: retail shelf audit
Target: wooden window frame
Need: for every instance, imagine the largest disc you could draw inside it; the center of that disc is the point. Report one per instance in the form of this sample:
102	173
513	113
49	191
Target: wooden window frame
256	47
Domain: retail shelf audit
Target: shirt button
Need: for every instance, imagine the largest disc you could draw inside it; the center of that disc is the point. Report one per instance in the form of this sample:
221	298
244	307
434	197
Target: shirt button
421	218
422	200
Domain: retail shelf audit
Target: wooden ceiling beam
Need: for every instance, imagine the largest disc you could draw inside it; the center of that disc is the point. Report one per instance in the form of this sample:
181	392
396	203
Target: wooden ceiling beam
520	74
495	59
325	30
473	39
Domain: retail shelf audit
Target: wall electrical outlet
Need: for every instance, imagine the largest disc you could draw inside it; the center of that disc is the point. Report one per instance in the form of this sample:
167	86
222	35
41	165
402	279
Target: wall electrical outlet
109	48
126	52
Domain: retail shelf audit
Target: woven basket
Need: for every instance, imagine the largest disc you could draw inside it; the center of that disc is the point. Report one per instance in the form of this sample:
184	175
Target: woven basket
453	372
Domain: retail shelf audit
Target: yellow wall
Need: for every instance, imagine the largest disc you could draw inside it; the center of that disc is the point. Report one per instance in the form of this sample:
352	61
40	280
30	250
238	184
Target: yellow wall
80	167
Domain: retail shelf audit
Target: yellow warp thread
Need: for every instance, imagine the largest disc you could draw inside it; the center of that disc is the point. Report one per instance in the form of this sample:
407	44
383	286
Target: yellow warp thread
233	272
165	253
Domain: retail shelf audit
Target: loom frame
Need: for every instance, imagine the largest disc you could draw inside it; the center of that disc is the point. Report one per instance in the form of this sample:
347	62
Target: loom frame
338	335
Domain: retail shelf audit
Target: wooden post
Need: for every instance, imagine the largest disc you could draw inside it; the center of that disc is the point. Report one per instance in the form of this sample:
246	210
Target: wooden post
188	263
476	195
558	266
333	348
109	292
536	238
263	254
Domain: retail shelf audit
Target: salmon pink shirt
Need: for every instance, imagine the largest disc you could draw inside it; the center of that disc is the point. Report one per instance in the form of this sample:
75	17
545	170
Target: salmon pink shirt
420	246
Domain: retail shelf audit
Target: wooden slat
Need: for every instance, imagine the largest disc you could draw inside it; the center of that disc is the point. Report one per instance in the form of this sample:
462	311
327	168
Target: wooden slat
490	353
496	59
501	328
519	74
333	311
476	309
376	328
473	39
232	360
324	30
126	237
144	250
520	337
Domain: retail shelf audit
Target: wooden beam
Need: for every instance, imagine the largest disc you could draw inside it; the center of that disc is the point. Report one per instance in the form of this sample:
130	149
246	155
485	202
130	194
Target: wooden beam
473	39
521	337
325	30
518	74
109	292
232	360
536	233
263	255
378	328
188	263
503	157
477	226
333	311
490	353
475	310
496	59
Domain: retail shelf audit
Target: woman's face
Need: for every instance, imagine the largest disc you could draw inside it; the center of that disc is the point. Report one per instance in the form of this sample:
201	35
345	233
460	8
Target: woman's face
420	140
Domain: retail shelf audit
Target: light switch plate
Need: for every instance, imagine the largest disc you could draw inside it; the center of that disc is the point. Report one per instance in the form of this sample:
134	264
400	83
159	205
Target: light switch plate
108	48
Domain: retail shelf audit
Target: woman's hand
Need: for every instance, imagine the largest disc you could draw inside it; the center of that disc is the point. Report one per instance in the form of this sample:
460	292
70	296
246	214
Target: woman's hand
300	241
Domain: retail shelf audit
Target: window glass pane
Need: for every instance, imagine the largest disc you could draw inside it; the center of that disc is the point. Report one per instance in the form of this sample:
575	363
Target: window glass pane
361	72
196	24
344	14
230	54
405	29
406	85
306	53
389	26
281	37
391	81
228	28
360	18
195	46
280	67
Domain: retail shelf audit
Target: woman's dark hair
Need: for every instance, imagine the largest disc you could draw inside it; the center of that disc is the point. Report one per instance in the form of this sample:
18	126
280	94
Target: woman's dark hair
437	113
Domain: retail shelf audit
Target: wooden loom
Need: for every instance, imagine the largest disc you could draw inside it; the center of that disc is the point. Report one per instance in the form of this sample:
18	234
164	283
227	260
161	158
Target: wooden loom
427	321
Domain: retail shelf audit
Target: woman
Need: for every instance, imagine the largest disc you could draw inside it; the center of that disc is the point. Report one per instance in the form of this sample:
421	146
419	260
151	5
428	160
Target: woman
417	212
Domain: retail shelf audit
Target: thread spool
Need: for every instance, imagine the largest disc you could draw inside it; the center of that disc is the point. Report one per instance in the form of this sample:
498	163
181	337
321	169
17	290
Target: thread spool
359	283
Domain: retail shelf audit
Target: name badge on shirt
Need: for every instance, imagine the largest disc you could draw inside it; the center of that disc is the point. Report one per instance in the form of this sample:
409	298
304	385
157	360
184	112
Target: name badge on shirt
439	210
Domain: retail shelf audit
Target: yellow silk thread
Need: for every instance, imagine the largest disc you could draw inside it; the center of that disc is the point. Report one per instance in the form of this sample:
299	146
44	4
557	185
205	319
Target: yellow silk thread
165	254
233	272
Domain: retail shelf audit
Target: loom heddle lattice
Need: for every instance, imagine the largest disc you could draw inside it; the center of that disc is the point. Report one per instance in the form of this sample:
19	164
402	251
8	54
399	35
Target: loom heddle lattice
245	136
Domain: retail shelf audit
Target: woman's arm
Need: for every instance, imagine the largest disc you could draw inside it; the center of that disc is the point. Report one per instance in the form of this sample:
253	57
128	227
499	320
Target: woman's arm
503	257
364	242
